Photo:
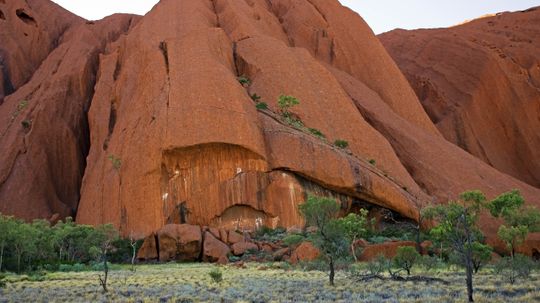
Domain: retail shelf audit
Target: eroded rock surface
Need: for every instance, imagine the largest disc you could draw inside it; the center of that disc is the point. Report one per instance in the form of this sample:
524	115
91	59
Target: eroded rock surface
143	123
480	84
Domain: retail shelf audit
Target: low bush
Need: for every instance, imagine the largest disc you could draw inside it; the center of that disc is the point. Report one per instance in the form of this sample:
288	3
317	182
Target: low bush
512	268
244	80
293	239
341	143
406	257
216	275
317	133
261	105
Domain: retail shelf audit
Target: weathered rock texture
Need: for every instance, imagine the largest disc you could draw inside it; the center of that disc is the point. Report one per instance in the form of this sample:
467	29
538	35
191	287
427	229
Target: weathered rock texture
151	115
480	84
50	58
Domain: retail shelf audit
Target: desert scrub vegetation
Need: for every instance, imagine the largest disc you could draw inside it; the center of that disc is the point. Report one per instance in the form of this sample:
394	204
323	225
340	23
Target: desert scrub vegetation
271	282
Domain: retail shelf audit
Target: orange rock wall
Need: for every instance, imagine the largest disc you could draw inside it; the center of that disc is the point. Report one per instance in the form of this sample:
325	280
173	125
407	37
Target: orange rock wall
480	84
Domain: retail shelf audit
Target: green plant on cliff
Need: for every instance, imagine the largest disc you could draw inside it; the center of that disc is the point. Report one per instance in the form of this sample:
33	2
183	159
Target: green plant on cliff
244	80
330	237
457	229
285	103
341	143
317	133
261	105
115	161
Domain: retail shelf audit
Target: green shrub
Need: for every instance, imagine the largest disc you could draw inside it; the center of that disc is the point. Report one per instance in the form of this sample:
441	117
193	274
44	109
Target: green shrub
372	161
512	268
406	257
244	80
26	124
216	275
261	106
341	143
317	133
293	240
431	262
255	97
286	102
115	161
2	280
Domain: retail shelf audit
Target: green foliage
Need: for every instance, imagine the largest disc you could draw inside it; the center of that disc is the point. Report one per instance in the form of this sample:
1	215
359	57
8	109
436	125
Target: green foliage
356	226
514	267
261	105
341	143
38	245
216	275
20	107
26	124
293	240
481	255
115	161
265	233
431	262
285	103
317	133
372	162
244	80
330	237
519	220
457	229
506	204
256	98
406	257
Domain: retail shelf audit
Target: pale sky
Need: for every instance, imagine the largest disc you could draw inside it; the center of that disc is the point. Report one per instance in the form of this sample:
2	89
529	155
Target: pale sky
381	15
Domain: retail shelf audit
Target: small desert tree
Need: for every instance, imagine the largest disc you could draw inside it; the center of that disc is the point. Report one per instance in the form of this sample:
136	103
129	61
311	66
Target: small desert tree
330	237
406	257
23	241
356	227
457	229
285	103
104	237
519	221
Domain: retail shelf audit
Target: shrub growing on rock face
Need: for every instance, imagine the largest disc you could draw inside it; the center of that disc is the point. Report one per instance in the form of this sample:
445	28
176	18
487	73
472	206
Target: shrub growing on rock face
261	105
341	143
243	80
285	103
317	133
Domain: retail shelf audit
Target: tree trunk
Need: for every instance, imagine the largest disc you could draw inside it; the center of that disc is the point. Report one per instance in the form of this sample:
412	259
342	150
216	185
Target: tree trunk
418	244
18	263
353	249
332	272
470	282
133	256
106	272
1	256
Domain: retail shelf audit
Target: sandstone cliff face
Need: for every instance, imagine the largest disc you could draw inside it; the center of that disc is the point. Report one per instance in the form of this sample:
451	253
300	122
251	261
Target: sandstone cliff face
192	146
29	31
44	131
157	125
480	84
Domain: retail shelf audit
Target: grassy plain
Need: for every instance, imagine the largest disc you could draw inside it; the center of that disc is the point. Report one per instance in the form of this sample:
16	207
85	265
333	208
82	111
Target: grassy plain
256	283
